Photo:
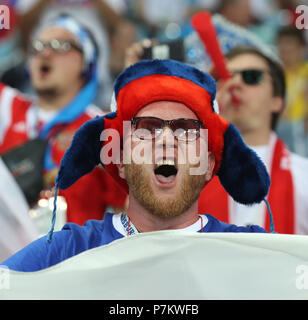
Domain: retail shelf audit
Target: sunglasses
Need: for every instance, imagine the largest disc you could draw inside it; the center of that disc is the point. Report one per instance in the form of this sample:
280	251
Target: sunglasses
251	76
61	46
149	128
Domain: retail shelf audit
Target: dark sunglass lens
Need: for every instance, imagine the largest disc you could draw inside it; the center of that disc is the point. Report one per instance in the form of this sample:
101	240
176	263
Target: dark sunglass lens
185	129
149	123
148	128
185	124
252	76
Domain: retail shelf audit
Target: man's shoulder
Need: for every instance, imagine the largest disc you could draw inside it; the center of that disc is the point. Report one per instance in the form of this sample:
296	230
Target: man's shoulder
299	169
299	161
90	112
91	234
7	92
93	111
215	225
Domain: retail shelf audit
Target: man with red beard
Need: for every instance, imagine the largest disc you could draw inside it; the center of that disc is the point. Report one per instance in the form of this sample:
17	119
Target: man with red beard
163	187
173	143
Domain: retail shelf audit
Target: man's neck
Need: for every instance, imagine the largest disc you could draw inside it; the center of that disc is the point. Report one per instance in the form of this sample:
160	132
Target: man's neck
144	221
256	138
56	100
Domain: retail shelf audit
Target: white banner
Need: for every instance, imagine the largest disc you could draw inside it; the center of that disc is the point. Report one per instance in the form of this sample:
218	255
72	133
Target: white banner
174	265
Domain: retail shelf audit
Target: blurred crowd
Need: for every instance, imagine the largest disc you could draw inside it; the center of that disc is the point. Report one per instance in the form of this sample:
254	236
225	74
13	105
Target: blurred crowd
118	24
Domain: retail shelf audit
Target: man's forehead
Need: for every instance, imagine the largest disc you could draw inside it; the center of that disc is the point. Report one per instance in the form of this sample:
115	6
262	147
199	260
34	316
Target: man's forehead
246	60
166	110
57	32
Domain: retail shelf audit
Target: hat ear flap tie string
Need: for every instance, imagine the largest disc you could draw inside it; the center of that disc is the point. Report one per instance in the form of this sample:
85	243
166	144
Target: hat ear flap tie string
80	159
272	227
53	218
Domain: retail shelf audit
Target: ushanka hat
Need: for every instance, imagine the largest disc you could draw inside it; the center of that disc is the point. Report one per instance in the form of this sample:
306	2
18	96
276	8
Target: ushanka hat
241	172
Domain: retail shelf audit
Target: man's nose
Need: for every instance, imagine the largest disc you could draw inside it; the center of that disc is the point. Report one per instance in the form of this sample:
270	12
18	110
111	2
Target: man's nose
46	52
166	144
168	134
236	79
234	83
166	138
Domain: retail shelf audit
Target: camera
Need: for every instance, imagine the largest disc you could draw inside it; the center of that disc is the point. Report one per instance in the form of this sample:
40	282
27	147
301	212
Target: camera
167	50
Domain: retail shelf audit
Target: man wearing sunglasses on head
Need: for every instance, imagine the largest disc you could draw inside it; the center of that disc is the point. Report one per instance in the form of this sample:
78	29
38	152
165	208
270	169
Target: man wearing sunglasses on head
253	99
165	123
63	73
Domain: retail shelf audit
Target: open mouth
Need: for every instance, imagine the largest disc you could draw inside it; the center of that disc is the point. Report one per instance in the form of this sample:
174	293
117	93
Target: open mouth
165	171
45	69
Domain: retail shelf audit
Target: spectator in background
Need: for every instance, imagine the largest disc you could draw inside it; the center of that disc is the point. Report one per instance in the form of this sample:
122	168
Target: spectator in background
290	7
162	19
252	100
236	11
96	15
63	73
293	127
122	36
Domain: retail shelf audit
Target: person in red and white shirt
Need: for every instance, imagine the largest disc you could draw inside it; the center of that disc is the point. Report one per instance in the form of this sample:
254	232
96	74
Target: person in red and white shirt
63	74
252	100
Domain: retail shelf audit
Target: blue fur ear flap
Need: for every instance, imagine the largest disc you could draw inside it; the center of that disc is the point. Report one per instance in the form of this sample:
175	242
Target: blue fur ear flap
83	155
242	173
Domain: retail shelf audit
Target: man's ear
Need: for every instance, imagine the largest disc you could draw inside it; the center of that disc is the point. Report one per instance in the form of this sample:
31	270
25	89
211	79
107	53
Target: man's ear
277	104
210	166
121	166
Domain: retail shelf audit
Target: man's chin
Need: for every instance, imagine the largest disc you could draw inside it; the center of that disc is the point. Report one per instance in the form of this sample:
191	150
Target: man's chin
46	92
160	202
163	202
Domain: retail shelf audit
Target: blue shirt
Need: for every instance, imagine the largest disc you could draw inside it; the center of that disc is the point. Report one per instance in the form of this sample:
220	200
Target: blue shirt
74	239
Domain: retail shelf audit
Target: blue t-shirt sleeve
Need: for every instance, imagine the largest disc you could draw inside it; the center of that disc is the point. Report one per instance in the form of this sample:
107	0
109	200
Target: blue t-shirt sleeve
214	225
70	241
38	255
251	228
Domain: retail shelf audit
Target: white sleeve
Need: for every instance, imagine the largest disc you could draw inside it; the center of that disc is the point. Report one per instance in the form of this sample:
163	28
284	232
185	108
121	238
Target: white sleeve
16	227
7	96
299	167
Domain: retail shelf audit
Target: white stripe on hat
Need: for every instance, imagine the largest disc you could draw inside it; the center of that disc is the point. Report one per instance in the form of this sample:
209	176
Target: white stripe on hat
216	106
113	104
83	38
